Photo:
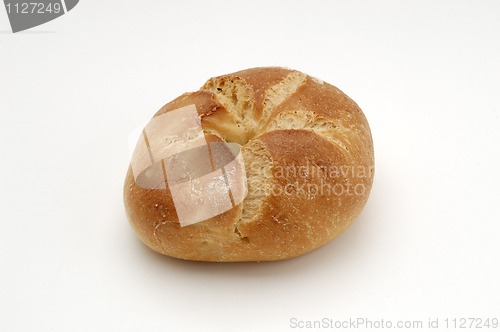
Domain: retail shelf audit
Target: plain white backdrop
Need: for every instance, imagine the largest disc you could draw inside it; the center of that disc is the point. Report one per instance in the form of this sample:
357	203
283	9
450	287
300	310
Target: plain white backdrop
72	91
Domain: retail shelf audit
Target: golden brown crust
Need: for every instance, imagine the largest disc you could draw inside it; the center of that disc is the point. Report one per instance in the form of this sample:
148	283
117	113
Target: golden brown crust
260	80
308	154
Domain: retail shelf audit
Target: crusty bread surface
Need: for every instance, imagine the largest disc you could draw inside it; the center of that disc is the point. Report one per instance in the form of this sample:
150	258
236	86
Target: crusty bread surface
309	162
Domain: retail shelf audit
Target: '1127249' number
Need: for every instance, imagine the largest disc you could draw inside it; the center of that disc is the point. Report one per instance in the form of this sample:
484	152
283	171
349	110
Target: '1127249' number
33	8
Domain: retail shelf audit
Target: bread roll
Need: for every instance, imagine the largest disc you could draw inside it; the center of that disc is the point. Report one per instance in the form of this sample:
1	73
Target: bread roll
307	160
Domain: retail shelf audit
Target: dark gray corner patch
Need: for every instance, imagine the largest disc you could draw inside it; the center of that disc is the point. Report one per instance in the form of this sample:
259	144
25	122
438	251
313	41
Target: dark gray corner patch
26	14
70	4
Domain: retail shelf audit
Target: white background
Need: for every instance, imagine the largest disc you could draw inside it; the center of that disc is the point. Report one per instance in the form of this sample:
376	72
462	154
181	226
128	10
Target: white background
426	74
